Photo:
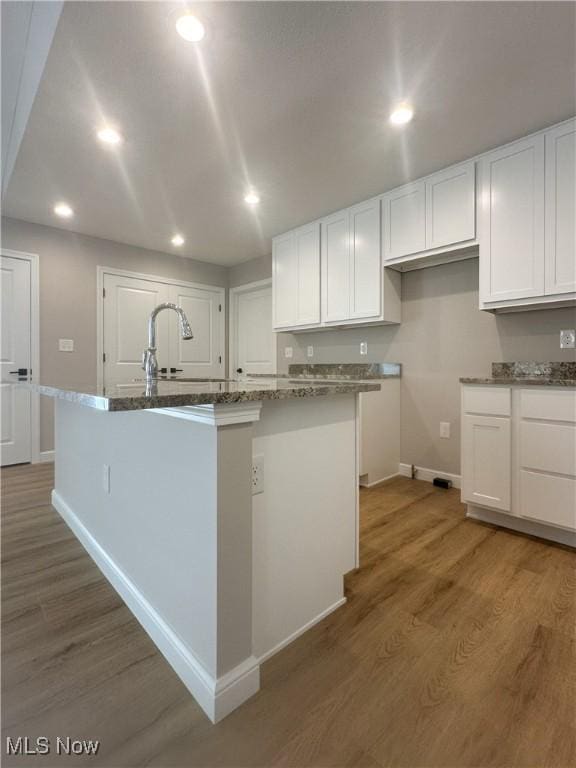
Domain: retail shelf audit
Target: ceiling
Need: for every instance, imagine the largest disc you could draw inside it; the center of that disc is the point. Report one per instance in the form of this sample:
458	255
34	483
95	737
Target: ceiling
289	98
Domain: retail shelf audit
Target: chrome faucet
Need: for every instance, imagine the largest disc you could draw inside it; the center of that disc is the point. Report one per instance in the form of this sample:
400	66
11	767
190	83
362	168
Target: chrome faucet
149	361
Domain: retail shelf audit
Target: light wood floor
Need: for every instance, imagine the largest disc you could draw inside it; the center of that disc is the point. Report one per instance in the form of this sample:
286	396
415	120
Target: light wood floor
456	648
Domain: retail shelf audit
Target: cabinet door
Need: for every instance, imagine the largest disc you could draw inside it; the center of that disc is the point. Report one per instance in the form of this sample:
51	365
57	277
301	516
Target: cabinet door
404	221
336	267
486	451
451	206
561	209
512	222
365	260
307	245
285	281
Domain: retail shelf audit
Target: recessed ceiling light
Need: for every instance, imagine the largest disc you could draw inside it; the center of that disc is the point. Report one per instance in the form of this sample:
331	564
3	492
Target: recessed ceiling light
109	135
251	198
177	240
63	210
402	114
190	28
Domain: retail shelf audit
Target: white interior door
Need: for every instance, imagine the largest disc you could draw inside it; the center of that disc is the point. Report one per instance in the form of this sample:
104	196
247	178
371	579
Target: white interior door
253	340
202	356
15	353
128	302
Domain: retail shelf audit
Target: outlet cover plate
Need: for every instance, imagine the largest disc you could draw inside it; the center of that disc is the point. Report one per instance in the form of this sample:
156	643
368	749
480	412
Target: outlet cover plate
568	339
257	474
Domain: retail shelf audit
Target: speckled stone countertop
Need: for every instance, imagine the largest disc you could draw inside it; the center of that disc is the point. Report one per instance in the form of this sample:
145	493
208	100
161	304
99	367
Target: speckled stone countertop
338	371
352	371
551	374
175	393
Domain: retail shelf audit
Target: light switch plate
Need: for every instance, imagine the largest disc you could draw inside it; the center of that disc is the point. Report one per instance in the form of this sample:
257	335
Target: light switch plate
66	345
363	347
445	429
568	339
288	352
310	351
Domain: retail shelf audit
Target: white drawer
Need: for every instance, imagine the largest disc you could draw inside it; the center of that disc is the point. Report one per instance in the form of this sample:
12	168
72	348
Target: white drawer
551	404
548	499
548	447
489	400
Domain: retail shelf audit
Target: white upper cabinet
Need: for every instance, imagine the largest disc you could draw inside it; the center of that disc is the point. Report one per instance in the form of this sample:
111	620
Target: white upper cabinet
365	264
431	216
296	277
451	206
514	207
404	221
512	221
285	281
355	287
336	267
560	224
308	251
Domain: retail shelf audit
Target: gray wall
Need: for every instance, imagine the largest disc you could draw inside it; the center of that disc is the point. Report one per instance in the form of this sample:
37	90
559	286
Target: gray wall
443	336
250	271
68	295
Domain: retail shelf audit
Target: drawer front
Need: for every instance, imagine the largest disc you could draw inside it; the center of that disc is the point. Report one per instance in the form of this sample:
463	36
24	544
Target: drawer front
551	404
489	400
548	499
548	447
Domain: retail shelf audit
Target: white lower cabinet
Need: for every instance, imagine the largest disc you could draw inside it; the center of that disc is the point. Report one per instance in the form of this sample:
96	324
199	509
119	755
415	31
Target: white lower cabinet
486	461
523	464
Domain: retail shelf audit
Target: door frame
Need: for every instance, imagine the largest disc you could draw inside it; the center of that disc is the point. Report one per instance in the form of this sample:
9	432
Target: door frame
32	258
101	271
234	294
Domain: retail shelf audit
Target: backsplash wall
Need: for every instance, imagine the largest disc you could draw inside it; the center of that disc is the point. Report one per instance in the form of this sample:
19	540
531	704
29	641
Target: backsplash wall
443	336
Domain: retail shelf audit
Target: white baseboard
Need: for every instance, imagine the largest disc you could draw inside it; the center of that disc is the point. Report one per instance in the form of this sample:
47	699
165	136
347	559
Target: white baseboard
46	456
217	696
423	473
382	480
520	524
304	628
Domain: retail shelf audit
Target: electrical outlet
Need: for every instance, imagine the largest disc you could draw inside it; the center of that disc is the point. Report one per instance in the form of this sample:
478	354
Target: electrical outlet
288	351
445	429
363	347
66	345
257	474
568	339
310	351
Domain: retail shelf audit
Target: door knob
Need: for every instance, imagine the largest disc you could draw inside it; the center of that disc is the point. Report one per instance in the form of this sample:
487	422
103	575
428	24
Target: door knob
239	370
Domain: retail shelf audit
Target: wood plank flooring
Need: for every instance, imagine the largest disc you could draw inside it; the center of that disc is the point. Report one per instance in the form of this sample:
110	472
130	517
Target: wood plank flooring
456	648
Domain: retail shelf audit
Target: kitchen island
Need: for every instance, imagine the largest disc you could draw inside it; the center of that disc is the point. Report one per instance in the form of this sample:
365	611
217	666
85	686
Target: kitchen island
224	513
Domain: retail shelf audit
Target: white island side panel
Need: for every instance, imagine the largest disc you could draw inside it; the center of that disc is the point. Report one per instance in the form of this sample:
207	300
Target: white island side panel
305	521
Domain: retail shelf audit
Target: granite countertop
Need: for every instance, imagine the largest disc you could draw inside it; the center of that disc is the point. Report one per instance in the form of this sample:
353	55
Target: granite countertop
345	371
551	374
174	393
